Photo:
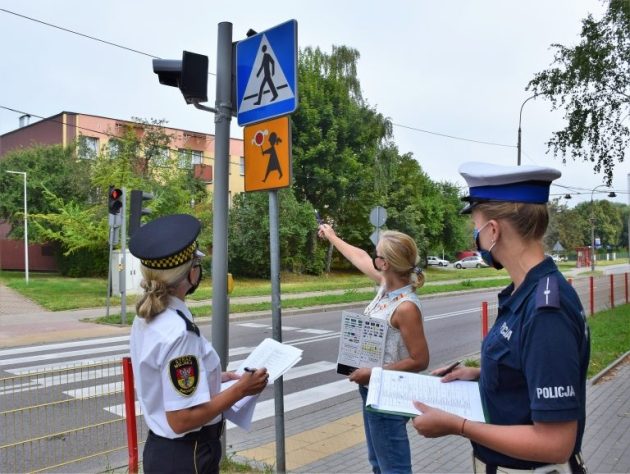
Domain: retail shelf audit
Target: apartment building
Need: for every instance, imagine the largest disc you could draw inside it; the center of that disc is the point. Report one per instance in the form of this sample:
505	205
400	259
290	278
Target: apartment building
93	133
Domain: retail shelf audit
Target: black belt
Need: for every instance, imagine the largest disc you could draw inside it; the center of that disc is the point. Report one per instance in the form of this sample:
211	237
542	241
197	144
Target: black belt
575	461
206	433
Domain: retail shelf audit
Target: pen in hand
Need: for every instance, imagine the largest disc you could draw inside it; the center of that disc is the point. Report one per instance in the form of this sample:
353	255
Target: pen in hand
450	368
250	370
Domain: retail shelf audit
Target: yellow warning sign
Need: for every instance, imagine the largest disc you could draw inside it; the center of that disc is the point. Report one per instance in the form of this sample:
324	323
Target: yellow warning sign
267	155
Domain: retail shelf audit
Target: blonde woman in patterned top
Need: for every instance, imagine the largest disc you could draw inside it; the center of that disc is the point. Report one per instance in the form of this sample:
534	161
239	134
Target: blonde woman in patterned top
395	268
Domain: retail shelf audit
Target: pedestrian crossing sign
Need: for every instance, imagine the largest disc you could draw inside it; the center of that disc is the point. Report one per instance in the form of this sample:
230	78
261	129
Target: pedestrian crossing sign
266	74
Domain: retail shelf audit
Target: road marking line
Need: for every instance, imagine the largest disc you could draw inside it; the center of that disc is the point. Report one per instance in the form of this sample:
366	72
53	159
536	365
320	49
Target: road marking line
65	345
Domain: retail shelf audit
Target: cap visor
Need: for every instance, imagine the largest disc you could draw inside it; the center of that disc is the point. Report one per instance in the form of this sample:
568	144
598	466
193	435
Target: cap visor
199	253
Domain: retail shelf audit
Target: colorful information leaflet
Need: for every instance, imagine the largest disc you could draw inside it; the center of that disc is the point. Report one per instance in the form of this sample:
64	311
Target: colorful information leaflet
361	343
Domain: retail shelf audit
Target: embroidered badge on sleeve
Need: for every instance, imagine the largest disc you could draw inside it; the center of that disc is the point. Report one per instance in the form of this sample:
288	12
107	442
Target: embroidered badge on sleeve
184	372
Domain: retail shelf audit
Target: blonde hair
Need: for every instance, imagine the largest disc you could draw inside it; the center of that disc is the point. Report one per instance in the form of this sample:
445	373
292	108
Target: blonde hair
530	221
401	253
158	285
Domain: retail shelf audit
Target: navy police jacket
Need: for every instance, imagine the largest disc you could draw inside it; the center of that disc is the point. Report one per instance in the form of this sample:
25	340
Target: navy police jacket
534	359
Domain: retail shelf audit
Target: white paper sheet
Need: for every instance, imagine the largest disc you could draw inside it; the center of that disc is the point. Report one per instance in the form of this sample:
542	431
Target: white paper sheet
394	392
242	412
277	358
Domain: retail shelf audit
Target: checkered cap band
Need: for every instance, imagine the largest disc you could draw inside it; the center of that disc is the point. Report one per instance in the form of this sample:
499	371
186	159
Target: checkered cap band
172	261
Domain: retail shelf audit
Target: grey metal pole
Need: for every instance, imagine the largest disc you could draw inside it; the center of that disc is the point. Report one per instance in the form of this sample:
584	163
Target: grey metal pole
25	230
123	250
518	143
109	266
222	118
23	173
276	323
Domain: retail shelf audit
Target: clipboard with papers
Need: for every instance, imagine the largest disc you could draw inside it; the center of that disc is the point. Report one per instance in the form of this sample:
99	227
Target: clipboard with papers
392	391
361	342
277	358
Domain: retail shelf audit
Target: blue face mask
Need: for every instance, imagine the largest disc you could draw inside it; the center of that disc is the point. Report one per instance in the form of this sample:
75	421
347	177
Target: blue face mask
486	256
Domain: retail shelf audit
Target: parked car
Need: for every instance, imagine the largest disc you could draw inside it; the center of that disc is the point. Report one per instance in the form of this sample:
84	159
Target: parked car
432	260
558	258
470	262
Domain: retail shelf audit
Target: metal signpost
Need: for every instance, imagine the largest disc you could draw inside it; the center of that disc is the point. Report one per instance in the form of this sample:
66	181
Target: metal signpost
266	88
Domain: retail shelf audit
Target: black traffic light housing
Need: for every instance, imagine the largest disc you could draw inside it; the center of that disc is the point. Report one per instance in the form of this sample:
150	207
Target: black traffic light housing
190	75
114	200
136	210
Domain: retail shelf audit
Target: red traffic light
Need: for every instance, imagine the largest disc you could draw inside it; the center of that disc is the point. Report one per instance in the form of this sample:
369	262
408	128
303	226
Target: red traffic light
114	200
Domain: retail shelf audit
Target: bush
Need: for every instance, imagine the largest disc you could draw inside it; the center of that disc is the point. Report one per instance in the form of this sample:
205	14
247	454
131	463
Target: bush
84	263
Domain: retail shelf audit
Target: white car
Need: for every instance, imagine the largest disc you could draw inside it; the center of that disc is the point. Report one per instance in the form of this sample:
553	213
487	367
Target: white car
432	260
470	262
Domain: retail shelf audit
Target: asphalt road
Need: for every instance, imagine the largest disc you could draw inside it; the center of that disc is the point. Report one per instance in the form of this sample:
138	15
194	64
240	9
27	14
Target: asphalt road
452	325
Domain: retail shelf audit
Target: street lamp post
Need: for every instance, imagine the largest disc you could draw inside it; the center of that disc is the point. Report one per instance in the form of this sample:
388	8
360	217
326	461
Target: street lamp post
593	225
25	225
520	115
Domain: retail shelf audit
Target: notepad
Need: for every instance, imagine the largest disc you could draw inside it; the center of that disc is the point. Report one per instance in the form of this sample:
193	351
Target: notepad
392	391
274	356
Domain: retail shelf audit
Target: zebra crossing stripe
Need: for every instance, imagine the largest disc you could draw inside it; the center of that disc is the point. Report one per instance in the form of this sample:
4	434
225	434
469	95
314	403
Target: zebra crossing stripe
311	395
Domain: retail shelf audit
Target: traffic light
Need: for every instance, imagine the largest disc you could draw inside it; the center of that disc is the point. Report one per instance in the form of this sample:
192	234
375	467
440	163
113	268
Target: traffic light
136	210
190	75
114	200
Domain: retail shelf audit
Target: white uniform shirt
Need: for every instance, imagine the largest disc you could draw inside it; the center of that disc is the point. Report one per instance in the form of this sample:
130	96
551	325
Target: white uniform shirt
382	307
173	367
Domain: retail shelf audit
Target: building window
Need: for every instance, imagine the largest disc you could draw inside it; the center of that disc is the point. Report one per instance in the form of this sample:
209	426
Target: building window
242	166
197	157
161	157
114	147
88	147
184	159
188	158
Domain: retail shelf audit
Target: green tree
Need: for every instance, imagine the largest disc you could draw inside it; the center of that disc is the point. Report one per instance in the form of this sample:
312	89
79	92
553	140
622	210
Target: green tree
53	168
337	141
249	235
591	81
134	162
427	211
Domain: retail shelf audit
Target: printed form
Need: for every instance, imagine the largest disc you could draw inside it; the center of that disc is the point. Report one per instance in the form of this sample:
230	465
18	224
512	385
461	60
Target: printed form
274	356
392	391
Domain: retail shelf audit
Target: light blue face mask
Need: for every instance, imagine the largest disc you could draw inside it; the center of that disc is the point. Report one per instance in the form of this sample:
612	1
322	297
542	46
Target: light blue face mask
486	256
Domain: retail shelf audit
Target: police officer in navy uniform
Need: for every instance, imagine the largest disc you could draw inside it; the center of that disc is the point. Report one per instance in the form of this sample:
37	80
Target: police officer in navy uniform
177	372
534	359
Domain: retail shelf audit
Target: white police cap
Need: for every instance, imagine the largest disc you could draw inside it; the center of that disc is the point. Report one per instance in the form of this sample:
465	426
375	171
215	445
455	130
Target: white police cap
496	183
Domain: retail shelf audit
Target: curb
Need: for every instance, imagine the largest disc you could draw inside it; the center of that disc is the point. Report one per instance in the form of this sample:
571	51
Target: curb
595	378
293	311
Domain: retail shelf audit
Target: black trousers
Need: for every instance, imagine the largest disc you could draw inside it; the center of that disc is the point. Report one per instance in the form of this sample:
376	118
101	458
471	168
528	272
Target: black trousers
196	453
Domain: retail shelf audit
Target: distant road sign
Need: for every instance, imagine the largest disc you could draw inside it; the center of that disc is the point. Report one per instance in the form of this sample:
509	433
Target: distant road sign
378	216
267	147
266	74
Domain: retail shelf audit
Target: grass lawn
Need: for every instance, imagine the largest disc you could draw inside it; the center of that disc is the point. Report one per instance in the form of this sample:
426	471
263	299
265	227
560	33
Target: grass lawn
610	337
58	293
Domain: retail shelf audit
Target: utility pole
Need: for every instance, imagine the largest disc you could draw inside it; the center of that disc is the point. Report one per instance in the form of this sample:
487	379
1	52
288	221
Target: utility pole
518	143
25	225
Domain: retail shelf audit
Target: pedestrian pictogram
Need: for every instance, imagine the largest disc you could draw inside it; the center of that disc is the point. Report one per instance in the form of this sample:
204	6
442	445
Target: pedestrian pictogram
268	155
266	74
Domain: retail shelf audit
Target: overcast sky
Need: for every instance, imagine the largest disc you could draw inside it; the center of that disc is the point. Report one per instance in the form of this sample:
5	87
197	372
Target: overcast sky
456	68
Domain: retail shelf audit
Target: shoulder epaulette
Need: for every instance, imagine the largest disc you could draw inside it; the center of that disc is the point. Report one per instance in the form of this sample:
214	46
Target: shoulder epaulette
547	293
190	326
